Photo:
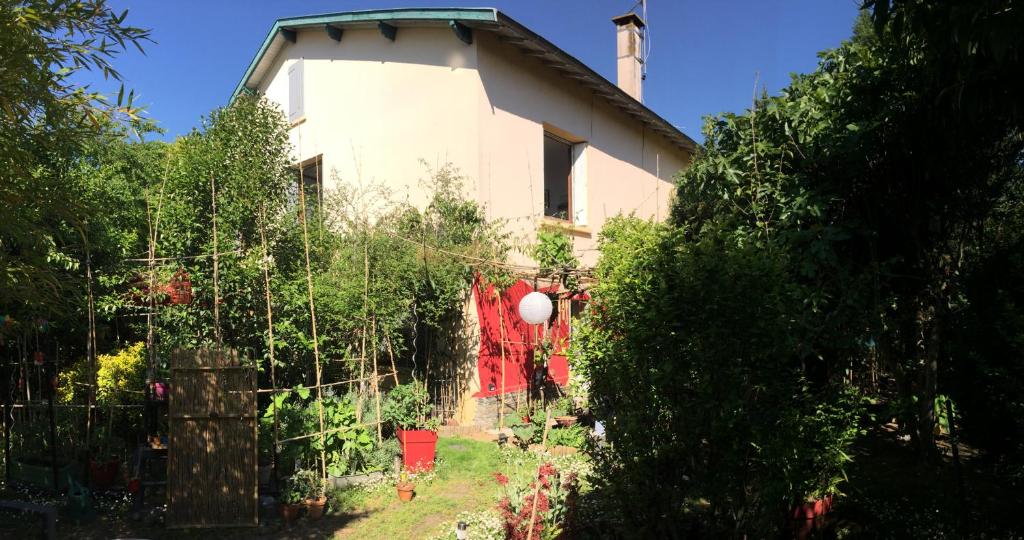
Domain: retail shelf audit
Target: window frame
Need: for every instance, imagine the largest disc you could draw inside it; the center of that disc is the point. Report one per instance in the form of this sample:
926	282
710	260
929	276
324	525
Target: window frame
316	163
570	215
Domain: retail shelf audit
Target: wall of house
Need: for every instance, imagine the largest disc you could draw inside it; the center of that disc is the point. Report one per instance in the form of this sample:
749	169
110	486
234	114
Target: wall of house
376	110
383	112
629	169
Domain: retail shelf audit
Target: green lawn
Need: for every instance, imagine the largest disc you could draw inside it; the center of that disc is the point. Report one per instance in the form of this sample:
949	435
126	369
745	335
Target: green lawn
464	481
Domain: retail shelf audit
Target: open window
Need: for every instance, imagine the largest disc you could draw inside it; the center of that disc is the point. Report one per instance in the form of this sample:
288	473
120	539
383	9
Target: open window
309	177
557	177
564	179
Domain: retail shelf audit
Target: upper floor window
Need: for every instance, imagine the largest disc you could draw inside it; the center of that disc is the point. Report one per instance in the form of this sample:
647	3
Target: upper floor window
557	177
564	179
311	183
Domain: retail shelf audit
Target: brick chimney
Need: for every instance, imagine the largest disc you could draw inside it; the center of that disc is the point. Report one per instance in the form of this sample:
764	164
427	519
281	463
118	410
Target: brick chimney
629	41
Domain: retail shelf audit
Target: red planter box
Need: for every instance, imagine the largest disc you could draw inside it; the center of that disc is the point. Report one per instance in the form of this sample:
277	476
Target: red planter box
418	449
103	475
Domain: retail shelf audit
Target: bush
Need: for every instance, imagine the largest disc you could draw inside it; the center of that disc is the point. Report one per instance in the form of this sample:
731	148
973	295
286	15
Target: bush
346	442
407	406
574	436
695	354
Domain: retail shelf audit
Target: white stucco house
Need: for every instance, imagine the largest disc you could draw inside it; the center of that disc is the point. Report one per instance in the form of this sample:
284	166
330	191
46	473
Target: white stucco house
543	140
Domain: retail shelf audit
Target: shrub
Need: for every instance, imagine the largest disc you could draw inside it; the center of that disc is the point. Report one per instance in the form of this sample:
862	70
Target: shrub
407	406
695	355
120	377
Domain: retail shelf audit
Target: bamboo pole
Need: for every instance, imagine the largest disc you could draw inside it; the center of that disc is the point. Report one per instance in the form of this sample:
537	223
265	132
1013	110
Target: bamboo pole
501	394
154	232
391	355
216	266
376	377
90	348
270	328
362	347
312	316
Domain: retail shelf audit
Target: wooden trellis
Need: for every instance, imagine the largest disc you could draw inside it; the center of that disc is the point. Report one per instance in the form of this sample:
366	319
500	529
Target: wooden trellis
212	478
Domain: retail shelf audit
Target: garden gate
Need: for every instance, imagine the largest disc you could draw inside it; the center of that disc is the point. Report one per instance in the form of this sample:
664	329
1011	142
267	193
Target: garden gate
212	478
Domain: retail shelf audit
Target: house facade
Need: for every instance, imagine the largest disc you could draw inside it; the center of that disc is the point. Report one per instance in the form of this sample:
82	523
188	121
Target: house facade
543	141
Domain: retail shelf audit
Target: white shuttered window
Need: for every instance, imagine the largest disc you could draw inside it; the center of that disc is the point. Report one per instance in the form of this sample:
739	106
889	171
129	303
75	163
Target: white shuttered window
296	97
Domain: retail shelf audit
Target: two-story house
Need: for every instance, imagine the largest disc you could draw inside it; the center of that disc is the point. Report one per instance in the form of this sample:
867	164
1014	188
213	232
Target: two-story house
543	140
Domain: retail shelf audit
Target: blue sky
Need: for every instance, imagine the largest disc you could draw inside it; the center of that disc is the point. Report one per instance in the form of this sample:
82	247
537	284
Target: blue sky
704	55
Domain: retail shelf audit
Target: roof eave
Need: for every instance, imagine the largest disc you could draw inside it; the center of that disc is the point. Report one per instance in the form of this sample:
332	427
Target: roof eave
504	26
463	15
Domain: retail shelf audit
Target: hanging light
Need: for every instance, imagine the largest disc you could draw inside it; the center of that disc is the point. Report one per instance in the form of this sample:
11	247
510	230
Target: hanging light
535	308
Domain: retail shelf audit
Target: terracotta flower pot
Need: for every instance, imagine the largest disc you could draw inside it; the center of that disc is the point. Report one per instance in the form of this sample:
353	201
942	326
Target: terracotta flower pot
315	507
289	512
405	491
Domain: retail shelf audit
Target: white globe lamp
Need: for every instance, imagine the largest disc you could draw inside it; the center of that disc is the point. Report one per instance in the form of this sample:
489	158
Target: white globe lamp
535	308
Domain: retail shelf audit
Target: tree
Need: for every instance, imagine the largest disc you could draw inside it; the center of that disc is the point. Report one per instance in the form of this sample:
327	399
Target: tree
46	120
845	213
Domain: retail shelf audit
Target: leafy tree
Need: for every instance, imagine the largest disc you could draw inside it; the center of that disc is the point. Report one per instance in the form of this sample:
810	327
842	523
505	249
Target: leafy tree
844	215
694	352
46	119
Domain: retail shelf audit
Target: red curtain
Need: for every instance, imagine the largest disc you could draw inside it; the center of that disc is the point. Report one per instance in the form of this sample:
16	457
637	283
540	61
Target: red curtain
519	340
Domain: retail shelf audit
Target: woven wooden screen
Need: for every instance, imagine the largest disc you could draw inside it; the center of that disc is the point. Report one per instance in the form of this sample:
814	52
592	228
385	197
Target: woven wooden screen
212	475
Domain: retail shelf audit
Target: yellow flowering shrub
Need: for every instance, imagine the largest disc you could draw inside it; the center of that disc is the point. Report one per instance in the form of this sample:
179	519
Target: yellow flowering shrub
120	377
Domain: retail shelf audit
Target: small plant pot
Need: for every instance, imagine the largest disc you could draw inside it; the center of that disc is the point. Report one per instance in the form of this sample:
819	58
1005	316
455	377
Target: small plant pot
158	391
405	491
289	512
315	507
566	421
813	509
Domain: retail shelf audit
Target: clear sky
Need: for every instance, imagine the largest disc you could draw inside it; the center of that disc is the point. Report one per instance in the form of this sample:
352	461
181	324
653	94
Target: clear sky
704	55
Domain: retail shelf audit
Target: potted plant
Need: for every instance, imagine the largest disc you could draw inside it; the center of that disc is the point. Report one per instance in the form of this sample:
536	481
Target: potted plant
407	409
311	487
563	412
406	489
289	503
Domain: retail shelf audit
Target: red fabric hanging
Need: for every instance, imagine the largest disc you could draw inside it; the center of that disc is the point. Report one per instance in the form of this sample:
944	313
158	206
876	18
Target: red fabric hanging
519	340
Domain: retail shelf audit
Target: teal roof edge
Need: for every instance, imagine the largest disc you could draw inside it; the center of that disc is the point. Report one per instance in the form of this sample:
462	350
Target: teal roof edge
374	15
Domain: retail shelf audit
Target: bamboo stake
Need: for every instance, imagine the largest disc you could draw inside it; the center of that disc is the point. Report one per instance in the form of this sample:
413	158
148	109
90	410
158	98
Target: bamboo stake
90	348
312	316
270	326
216	266
362	355
501	394
376	377
391	355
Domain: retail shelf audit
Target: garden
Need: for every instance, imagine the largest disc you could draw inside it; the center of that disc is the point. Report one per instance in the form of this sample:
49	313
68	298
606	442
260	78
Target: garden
204	338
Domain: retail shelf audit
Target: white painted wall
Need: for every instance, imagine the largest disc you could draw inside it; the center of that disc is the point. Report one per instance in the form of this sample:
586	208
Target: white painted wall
628	168
377	109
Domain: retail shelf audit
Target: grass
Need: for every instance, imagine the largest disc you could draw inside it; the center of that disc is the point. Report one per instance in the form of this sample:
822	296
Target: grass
463	481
